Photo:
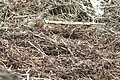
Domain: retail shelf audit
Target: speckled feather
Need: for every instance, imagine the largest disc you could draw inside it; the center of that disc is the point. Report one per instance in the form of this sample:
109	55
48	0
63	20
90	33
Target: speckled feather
41	20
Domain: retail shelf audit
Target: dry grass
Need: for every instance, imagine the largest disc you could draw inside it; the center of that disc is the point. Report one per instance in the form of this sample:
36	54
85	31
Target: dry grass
64	52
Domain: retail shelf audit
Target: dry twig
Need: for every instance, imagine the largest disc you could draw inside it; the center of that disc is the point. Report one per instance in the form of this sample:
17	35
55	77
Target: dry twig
73	23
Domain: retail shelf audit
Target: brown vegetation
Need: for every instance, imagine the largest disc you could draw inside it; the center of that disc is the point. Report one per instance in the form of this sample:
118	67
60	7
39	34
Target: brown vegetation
63	52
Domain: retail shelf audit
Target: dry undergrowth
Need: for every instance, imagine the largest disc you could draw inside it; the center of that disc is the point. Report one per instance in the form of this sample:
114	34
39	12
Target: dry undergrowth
64	52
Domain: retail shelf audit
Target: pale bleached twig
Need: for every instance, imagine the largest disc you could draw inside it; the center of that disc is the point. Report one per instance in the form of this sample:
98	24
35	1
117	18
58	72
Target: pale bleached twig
67	47
73	23
24	16
35	78
27	76
37	49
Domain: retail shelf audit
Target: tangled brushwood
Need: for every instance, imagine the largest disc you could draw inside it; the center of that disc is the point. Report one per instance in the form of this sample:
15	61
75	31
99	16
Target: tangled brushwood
60	51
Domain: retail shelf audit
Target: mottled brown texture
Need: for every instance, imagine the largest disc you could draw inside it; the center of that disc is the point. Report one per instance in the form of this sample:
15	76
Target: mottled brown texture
41	22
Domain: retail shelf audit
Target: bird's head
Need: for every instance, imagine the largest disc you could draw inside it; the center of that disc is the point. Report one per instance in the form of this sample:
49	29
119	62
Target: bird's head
43	15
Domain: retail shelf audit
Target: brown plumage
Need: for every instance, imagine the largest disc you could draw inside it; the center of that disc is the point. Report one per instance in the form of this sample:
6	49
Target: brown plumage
41	22
41	19
38	22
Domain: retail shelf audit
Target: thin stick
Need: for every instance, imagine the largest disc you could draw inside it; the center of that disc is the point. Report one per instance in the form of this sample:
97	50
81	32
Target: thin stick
67	47
20	16
35	78
73	23
37	48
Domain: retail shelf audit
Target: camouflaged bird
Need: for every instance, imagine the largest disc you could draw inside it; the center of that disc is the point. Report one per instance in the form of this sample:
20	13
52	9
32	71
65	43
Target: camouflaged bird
38	21
8	76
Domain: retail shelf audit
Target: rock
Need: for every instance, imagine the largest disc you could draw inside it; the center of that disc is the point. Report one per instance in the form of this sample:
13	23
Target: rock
31	24
8	76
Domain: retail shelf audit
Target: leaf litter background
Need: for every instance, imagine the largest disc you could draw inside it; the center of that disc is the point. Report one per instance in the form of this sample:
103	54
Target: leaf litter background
73	52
